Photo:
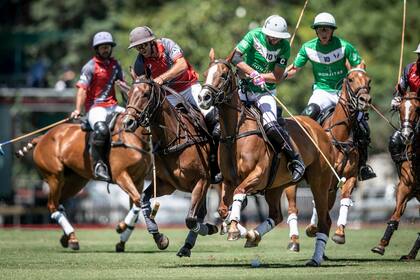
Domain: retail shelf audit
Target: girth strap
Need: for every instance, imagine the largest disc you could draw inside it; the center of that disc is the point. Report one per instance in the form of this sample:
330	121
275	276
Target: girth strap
180	147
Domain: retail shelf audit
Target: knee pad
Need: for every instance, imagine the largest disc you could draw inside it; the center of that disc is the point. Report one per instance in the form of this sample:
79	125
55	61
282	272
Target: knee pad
101	131
396	146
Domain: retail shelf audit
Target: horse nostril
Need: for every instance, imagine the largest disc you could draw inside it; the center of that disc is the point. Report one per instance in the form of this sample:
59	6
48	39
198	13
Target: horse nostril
207	97
200	99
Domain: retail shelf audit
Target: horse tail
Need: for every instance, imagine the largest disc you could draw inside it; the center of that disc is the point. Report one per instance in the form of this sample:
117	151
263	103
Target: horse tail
28	147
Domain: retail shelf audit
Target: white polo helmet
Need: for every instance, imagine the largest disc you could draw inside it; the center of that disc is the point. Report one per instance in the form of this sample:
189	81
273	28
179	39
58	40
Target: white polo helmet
276	26
324	19
418	49
102	38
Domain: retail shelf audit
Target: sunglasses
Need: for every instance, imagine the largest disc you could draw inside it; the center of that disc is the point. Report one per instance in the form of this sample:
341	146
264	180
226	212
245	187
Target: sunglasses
142	46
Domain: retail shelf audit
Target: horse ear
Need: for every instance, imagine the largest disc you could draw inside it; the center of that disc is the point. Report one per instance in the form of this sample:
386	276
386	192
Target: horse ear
133	74
400	90
211	55
229	57
148	72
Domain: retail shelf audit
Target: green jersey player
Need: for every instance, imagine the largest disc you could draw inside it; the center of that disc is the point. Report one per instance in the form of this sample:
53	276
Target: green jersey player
262	57
331	58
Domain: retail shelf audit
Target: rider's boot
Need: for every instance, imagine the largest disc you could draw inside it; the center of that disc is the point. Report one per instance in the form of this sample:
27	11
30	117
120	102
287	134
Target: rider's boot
282	140
213	126
312	110
99	151
363	136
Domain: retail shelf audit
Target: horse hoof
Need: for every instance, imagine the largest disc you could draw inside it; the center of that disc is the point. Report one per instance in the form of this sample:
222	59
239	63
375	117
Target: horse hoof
120	247
311	230
339	239
293	246
312	263
161	241
184	252
407	258
223	229
191	223
325	257
121	227
64	241
74	245
233	235
212	229
253	238
378	250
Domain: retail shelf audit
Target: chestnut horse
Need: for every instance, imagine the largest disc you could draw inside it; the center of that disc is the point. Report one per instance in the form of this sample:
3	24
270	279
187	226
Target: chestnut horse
181	150
408	166
61	155
246	159
341	128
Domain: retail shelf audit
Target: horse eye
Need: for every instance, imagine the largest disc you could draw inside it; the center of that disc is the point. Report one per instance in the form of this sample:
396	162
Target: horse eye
351	80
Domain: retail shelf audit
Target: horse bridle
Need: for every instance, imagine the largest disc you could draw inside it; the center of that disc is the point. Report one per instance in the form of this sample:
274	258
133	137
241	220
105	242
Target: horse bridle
222	94
353	94
406	123
155	101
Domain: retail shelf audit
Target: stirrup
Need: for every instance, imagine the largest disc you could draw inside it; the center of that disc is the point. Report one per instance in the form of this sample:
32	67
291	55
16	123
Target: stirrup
297	168
365	173
101	172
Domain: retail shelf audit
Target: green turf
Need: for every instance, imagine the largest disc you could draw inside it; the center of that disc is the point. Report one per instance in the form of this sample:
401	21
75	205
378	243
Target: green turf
37	254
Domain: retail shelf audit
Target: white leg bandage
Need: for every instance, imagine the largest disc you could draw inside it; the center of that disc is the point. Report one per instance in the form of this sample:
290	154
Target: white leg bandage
62	221
126	234
314	217
242	230
293	225
132	216
235	214
345	203
265	227
320	243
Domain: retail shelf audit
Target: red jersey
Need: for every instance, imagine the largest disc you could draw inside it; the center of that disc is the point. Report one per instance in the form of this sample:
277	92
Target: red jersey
168	53
411	78
98	79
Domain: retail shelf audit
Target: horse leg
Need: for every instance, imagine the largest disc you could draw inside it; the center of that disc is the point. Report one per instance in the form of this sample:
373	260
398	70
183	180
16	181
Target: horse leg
160	239
226	196
239	195
273	198
292	219
56	182
413	252
126	227
403	193
320	192
339	236
202	229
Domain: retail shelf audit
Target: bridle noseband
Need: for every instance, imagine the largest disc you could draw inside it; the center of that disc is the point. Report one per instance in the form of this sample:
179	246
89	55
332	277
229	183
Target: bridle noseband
353	94
222	94
155	101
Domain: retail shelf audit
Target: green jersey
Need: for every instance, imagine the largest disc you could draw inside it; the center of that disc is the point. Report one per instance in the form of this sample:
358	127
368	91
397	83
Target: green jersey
328	61
262	56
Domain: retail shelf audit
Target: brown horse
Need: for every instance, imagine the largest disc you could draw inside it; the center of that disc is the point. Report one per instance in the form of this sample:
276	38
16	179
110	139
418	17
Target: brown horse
341	128
182	151
246	159
61	155
408	166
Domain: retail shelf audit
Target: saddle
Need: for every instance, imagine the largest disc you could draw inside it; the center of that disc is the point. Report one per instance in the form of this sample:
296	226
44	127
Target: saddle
110	121
325	114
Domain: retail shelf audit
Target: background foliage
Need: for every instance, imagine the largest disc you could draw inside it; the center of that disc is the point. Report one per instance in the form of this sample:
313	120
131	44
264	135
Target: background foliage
62	32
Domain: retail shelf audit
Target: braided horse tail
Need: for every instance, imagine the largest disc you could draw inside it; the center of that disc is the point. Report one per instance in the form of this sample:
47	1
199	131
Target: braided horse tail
28	147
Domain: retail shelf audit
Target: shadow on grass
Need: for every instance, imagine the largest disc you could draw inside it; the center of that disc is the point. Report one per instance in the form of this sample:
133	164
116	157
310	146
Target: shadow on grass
242	265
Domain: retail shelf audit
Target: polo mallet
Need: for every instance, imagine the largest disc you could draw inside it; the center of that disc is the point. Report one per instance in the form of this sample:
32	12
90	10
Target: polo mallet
156	203
30	134
341	180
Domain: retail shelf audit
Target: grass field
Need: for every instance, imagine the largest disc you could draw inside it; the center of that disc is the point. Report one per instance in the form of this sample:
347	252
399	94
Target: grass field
37	254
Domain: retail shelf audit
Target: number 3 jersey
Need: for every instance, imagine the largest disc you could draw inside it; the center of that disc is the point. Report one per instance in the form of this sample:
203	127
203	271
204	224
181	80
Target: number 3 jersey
262	56
328	61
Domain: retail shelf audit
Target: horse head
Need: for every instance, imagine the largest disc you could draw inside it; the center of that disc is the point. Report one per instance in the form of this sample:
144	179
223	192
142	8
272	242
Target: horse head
144	98
409	116
219	85
357	86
